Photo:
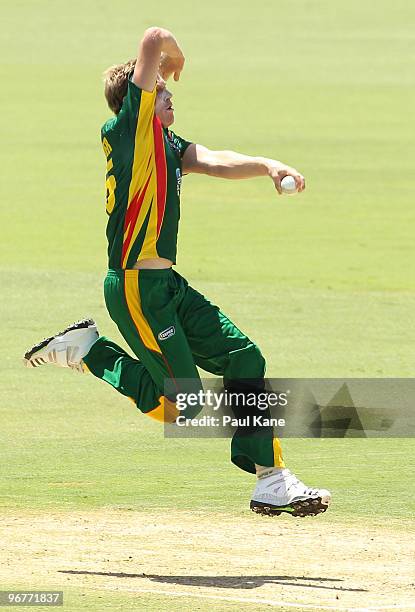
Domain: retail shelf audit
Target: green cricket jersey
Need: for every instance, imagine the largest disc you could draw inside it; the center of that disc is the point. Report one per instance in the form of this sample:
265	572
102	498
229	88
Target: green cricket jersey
143	182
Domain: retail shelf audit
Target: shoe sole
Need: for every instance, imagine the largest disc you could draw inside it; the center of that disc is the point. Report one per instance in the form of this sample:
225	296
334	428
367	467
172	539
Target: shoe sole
34	362
304	507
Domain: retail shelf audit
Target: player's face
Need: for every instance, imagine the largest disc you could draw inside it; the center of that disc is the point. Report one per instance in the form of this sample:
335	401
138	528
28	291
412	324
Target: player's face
164	107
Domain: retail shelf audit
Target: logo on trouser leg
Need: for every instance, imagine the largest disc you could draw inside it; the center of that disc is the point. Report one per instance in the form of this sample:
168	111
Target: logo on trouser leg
167	333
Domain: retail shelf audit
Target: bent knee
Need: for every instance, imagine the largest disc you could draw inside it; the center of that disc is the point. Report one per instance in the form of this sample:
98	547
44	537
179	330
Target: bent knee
165	412
246	363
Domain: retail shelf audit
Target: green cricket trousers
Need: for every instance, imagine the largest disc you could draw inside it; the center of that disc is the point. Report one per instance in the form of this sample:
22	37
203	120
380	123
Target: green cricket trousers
171	328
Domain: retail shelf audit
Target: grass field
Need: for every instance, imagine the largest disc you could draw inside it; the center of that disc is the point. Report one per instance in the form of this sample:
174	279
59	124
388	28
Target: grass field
323	282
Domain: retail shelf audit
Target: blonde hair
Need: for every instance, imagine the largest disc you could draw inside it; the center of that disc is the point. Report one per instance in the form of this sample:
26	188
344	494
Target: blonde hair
116	84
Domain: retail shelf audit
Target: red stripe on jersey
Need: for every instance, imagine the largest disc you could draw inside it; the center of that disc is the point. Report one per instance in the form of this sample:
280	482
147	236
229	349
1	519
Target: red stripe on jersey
160	158
131	216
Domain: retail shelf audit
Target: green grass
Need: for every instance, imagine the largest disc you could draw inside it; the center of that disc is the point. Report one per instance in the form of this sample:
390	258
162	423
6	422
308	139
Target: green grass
61	427
322	282
121	600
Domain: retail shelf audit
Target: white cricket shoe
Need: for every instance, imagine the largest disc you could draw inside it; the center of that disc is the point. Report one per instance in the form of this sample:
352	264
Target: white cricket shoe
280	491
65	349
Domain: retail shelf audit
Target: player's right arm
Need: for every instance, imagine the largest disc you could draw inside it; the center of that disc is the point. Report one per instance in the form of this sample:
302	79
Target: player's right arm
158	52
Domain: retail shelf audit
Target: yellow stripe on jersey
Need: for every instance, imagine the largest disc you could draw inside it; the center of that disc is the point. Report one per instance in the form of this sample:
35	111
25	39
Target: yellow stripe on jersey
147	202
144	142
149	248
143	167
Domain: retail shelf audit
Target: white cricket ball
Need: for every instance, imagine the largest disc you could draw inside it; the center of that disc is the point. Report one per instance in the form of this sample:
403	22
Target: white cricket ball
288	185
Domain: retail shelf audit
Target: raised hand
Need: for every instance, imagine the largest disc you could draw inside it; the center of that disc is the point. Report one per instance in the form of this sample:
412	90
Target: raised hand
171	66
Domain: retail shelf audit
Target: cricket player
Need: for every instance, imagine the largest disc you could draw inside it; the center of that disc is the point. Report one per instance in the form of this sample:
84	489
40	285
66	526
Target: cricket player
169	326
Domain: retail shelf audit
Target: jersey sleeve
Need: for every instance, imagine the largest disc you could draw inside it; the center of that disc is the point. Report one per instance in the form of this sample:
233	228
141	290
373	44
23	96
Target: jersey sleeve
128	140
136	116
180	144
137	110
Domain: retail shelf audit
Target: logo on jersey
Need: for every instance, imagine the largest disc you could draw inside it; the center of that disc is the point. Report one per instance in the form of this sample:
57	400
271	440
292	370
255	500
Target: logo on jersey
179	181
174	143
167	333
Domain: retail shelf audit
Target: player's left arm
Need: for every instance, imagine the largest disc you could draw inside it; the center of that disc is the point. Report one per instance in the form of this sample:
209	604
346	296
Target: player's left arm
230	165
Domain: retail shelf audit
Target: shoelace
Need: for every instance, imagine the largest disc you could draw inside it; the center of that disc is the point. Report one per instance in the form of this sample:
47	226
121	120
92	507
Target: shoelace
295	482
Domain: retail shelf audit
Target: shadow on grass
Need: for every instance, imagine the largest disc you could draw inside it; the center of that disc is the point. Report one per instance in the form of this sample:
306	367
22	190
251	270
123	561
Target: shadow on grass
227	582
